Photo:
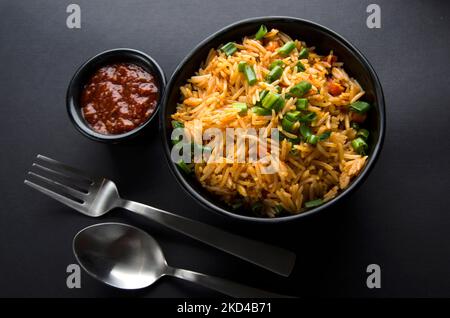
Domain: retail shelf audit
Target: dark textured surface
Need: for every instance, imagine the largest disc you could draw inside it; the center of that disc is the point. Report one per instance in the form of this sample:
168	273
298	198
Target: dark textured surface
398	219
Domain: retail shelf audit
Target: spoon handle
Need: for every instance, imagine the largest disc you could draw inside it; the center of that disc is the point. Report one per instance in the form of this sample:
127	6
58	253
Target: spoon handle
221	285
272	258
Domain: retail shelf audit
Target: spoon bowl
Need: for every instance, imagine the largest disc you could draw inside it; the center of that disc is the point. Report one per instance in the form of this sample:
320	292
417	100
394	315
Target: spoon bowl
126	257
119	255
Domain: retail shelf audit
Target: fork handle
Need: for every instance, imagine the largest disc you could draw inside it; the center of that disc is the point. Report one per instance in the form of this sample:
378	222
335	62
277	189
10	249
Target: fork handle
272	258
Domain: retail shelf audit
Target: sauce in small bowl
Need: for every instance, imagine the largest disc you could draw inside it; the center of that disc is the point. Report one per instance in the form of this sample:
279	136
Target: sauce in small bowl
114	95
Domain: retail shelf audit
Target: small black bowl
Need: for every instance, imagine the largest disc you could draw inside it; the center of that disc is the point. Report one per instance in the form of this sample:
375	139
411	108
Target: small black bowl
84	73
313	34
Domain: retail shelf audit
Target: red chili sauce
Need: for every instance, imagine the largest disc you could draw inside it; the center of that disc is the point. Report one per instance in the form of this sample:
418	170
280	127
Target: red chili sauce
118	98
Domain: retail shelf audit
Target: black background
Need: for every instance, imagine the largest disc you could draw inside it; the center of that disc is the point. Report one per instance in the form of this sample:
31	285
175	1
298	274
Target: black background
398	219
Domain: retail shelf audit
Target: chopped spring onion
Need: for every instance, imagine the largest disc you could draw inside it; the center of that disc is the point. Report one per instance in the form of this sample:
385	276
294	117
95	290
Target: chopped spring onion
276	63
272	101
241	66
242	107
300	89
301	104
287	48
278	209
355	126
359	145
260	111
287	124
177	124
312	139
363	133
250	75
293	116
325	136
274	74
313	203
300	67
185	167
360	107
308	117
304	53
229	48
278	89
261	32
305	131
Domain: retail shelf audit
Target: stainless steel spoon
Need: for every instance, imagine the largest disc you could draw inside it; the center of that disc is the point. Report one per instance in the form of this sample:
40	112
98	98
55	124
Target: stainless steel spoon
126	257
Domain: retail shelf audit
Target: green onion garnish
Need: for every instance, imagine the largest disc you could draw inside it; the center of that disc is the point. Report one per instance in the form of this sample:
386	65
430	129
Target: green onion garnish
177	124
183	166
241	106
308	117
363	133
250	75
287	48
360	146
325	136
229	48
301	104
313	203
304	53
300	89
305	131
276	63
274	74
261	32
312	139
355	126
241	66
260	111
287	124
360	107
300	67
293	116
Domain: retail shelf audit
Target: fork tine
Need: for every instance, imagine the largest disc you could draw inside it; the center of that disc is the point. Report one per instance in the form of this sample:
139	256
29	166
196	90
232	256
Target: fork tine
58	197
65	168
76	183
61	187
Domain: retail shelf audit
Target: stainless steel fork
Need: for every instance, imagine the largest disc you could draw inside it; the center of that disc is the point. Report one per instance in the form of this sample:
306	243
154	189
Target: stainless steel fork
96	196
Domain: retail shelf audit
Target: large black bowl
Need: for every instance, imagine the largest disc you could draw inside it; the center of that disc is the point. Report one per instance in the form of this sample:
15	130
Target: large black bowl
314	34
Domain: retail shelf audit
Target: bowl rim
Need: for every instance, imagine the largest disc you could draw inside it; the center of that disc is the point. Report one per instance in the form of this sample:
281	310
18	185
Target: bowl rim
80	123
181	179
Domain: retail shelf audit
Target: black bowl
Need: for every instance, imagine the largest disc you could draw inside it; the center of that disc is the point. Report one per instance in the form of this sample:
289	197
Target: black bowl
84	73
315	35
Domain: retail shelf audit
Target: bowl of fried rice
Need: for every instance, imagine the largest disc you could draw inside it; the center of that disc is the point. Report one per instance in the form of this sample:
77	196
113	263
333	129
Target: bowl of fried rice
293	86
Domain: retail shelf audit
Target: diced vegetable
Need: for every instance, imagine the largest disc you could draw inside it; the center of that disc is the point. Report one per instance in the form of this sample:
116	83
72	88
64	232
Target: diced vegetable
276	63
301	104
272	101
300	67
274	74
183	166
363	133
311	116
288	125
278	89
304	53
313	203
300	89
355	126
360	107
177	124
250	75
241	66
305	131
325	136
261	32
293	116
335	89
287	48
360	146
229	48
241	106
260	111
312	139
